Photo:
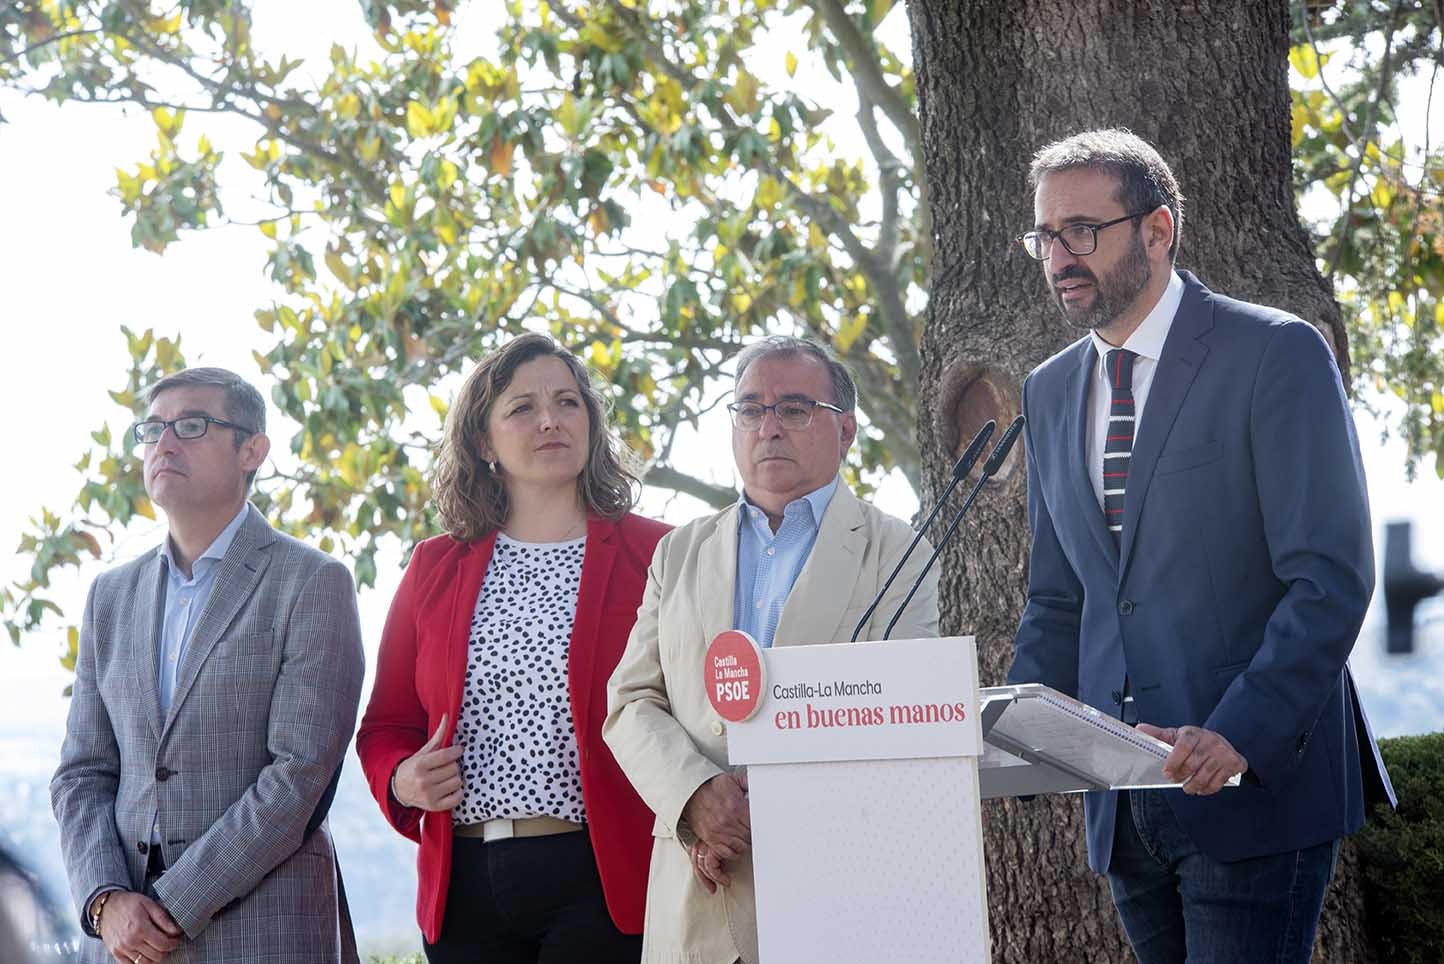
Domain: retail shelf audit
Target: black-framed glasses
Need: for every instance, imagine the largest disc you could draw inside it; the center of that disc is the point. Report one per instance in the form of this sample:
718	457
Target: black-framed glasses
1078	239
149	431
794	414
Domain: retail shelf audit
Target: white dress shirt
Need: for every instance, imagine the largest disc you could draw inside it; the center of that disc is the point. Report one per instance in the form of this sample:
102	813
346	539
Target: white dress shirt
1147	343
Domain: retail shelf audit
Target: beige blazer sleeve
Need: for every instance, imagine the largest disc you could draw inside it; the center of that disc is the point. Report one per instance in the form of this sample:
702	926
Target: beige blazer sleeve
649	696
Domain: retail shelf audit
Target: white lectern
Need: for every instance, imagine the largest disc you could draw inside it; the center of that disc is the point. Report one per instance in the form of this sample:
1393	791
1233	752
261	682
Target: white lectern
862	764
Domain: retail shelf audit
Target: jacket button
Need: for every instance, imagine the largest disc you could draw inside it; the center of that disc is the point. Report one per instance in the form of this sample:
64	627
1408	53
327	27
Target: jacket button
1117	696
717	728
142	847
163	773
1125	608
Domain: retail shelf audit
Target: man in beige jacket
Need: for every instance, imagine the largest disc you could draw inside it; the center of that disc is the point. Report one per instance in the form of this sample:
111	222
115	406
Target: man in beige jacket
796	561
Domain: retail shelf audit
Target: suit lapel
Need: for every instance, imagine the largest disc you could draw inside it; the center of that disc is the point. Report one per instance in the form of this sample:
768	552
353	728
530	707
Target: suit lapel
147	621
828	580
601	552
1076	455
1183	355
716	587
239	574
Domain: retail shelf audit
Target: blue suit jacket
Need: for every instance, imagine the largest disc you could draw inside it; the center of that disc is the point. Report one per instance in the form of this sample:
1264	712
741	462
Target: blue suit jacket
1245	567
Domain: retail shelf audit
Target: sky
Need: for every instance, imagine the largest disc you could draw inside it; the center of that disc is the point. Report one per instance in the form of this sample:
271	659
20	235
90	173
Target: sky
69	279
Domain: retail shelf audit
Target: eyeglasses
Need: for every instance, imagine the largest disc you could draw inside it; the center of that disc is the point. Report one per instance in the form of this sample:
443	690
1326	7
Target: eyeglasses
794	414
1078	239
149	431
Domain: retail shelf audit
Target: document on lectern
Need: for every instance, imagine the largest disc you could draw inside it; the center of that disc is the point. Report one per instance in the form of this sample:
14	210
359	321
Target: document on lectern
1041	741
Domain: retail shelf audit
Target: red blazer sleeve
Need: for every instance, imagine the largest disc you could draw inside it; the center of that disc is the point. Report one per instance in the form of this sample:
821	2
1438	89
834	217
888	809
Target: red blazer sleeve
394	725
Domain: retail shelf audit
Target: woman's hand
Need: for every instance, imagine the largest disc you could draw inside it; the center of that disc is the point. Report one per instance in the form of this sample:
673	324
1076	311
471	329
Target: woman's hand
430	779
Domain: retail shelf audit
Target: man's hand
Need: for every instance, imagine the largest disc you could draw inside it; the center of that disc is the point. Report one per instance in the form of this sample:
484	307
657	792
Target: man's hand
708	867
136	929
430	779
1202	760
718	814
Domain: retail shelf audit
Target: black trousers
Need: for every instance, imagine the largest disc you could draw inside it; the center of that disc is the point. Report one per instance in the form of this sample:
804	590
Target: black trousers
528	900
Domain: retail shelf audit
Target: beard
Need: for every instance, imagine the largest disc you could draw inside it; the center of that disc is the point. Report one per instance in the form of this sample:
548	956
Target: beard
1112	294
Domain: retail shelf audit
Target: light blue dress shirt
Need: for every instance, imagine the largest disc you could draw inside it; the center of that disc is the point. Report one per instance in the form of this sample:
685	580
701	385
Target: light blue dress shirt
769	563
185	600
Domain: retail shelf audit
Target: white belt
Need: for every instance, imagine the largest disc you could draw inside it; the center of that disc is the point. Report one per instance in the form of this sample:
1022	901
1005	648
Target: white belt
505	828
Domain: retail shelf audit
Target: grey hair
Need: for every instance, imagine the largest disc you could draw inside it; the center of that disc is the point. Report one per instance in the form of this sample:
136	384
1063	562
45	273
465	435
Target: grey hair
244	404
1145	181
844	389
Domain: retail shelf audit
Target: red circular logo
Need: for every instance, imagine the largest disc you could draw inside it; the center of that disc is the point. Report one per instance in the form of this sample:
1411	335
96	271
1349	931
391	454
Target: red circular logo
733	675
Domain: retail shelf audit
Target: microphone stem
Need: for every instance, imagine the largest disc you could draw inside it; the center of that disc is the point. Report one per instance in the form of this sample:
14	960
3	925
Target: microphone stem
952	527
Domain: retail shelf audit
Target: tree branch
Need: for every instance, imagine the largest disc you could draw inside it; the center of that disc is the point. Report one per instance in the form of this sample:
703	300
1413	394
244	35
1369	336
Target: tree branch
868	73
666	477
47	42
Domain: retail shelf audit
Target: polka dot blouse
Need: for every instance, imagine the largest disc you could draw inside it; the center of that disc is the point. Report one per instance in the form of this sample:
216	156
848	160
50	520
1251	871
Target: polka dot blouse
515	723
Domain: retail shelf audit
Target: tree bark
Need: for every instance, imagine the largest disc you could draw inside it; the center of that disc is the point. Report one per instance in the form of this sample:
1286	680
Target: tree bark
1204	81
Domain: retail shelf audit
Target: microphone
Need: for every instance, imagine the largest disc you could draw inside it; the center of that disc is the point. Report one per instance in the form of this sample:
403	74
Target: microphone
990	468
960	471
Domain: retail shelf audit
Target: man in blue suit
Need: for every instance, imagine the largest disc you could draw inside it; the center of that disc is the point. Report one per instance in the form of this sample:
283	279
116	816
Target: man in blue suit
1201	562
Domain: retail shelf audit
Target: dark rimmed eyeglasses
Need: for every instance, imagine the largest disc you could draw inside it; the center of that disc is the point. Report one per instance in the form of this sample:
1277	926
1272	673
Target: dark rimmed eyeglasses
794	414
149	431
1078	239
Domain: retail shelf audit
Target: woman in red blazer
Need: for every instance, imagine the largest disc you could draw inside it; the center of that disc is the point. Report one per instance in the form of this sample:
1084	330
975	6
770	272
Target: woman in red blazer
482	739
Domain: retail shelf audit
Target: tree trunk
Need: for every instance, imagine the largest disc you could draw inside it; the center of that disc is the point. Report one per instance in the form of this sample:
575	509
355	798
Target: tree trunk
1206	82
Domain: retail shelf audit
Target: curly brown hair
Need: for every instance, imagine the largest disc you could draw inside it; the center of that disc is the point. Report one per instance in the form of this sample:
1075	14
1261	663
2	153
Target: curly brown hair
471	499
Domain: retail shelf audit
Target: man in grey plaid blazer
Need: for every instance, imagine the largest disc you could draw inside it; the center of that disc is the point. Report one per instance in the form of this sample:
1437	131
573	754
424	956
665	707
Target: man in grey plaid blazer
215	694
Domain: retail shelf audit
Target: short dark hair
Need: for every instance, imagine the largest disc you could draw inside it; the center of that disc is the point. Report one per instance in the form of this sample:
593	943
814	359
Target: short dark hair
1144	179
244	404
844	389
470	497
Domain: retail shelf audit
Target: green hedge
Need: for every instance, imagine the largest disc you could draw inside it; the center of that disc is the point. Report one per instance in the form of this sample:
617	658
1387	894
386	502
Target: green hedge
1402	852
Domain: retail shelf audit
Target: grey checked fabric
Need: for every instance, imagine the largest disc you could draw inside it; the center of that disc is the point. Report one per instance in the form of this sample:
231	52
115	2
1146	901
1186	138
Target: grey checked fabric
264	708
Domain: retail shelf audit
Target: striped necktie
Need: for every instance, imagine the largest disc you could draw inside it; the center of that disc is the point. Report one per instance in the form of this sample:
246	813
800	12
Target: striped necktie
1118	448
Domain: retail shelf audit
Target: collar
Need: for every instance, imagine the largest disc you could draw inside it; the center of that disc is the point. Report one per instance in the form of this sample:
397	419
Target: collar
816	501
215	552
1148	338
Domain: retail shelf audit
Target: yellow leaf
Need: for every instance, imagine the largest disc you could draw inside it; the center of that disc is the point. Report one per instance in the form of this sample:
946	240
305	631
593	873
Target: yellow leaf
1308	63
369	147
501	157
791	63
447	175
143	507
397	193
268	228
850	331
419	122
166	353
272	112
443	15
769	192
438	406
348	107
